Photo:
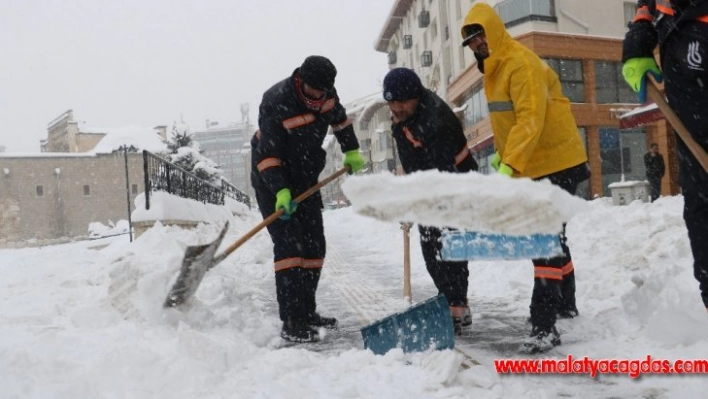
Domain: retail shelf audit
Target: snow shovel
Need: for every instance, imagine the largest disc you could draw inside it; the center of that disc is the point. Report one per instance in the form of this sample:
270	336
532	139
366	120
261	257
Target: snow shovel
424	326
460	245
198	259
655	95
418	328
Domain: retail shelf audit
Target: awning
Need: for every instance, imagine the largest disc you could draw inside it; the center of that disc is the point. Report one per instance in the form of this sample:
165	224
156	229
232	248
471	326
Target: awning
641	116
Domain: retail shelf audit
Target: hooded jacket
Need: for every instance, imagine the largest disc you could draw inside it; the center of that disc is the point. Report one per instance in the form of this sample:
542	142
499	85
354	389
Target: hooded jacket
534	129
287	149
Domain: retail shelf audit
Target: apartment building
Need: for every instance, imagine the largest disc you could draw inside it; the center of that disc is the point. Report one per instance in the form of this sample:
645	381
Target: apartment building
229	146
580	40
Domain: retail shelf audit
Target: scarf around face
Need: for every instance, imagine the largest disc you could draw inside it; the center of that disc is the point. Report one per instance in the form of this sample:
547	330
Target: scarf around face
312	104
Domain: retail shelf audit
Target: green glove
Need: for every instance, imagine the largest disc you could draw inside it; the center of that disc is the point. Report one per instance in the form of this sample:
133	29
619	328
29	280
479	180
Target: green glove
635	71
354	160
505	170
496	161
285	201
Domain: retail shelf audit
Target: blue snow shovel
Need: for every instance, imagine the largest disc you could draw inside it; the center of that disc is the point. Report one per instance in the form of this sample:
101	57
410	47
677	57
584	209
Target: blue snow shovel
427	325
459	245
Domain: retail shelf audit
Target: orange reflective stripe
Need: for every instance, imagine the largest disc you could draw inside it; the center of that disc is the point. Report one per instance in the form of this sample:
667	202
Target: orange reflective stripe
664	6
703	19
297	121
268	163
328	105
462	155
643	14
342	125
312	263
288	263
411	138
568	268
549	273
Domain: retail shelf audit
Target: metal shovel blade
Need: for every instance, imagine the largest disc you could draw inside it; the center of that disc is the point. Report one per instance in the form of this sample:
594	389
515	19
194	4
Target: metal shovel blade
424	326
197	260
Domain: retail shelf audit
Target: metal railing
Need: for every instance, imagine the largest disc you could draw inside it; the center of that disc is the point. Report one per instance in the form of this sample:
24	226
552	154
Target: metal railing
161	175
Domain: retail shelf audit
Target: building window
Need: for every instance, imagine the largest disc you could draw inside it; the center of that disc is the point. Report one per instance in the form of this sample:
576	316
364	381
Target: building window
622	155
87	189
426	59
40	191
629	10
392	58
477	108
570	73
407	41
611	87
134	188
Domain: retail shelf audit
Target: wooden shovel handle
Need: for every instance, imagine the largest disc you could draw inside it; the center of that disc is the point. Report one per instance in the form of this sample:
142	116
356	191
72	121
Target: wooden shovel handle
275	215
406	227
658	97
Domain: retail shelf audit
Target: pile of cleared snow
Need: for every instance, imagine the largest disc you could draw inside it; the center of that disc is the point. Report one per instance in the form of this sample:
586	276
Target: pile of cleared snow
472	201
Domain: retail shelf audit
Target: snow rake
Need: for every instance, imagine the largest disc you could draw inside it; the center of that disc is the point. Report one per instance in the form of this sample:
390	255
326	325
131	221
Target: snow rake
199	259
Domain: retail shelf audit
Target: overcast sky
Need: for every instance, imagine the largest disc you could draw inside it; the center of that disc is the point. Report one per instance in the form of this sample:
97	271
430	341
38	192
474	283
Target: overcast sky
147	63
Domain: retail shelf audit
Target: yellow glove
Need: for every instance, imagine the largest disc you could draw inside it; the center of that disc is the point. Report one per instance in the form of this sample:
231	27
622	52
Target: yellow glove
635	72
284	200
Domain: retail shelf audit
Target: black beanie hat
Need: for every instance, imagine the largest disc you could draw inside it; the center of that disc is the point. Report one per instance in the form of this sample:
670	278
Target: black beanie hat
401	84
318	72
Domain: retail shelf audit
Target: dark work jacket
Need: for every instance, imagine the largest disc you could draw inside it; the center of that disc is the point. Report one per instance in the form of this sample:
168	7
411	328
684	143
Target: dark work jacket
682	36
287	150
654	165
432	139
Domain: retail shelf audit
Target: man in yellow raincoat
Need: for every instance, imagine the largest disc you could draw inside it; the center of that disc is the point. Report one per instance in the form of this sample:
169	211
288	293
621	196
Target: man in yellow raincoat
535	136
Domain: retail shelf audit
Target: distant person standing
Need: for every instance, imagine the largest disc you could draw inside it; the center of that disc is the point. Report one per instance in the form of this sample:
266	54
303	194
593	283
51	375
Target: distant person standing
654	164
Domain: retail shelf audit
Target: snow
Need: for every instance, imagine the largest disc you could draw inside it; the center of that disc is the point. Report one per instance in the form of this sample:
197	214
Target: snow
474	201
139	137
84	319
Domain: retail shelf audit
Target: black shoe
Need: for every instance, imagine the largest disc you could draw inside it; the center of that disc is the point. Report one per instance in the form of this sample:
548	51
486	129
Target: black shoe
318	320
568	313
295	330
541	340
461	318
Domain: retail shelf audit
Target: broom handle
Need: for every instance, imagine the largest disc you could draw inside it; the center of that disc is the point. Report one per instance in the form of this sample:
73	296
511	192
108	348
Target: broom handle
275	215
658	97
406	227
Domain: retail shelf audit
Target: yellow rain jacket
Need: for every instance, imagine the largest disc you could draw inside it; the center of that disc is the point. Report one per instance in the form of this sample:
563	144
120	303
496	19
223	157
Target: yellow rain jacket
534	129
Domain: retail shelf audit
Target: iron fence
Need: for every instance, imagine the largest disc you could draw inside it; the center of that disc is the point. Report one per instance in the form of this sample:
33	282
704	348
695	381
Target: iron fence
161	175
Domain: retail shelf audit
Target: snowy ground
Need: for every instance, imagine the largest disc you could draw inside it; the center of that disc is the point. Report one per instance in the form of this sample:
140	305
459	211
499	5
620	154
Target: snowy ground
84	320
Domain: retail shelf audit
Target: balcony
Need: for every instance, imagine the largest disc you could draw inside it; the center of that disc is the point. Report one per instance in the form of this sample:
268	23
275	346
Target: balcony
407	41
426	59
424	19
515	12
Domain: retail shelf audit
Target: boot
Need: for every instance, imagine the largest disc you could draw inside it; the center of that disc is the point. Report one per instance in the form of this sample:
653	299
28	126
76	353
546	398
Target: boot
568	313
298	330
316	320
541	340
461	318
